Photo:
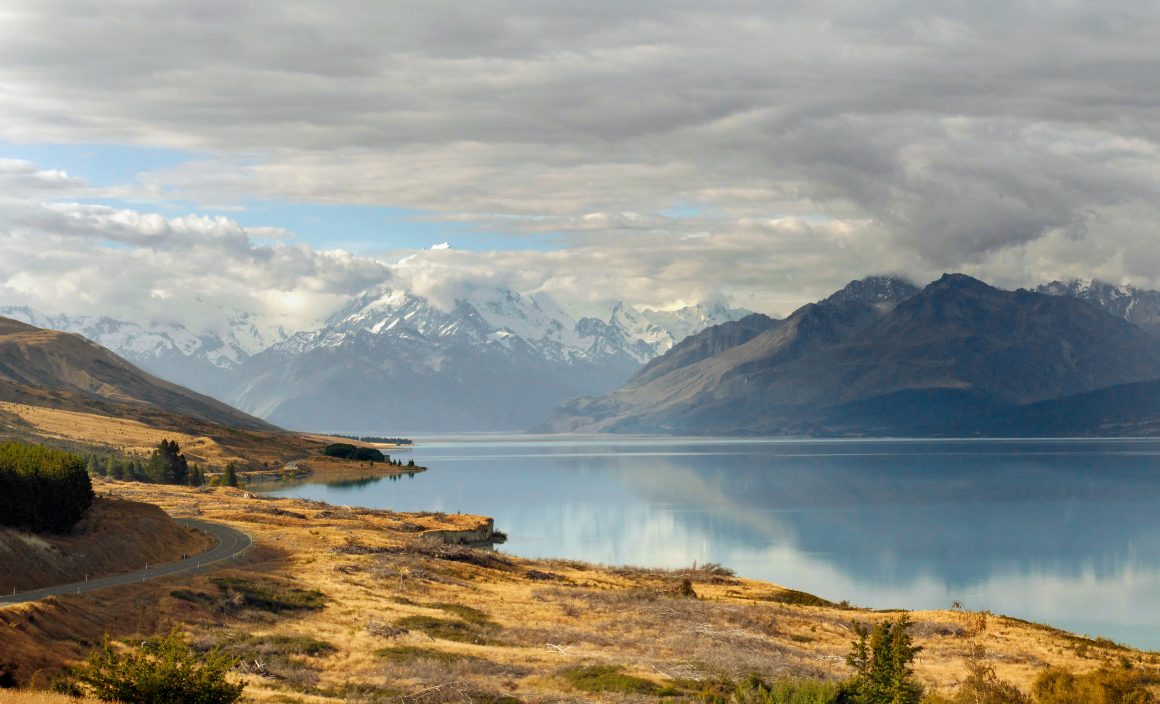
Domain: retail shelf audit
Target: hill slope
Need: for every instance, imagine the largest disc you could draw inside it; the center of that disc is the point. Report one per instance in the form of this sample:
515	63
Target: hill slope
47	360
114	536
945	360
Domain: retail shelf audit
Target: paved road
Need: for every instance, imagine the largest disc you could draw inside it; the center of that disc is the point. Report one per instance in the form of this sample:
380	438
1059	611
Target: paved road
230	542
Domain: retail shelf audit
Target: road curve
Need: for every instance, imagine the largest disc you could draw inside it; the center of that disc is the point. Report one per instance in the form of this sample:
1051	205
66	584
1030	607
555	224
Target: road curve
230	543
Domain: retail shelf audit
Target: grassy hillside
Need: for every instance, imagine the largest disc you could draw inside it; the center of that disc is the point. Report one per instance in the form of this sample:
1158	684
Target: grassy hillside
62	362
114	536
336	604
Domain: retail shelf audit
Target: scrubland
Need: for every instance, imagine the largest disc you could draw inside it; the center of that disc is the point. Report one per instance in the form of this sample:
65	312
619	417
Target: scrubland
339	604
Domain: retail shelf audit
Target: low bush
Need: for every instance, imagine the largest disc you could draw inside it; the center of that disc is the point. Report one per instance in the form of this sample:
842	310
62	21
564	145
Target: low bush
167	671
608	678
272	597
450	629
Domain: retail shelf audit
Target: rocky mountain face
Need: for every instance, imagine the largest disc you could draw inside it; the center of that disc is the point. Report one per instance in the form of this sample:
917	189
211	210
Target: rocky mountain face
1138	306
496	360
879	358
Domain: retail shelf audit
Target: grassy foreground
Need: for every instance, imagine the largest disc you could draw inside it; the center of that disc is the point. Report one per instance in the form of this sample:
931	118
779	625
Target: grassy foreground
337	604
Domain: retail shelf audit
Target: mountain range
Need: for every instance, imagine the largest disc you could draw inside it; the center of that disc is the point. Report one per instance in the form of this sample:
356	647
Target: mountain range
883	357
390	359
501	360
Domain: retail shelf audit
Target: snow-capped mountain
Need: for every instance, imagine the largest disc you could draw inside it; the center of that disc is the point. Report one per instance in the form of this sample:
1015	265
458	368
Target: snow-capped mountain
1138	306
245	335
502	316
495	359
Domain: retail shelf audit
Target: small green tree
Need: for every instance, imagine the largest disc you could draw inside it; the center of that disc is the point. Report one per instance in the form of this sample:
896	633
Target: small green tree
230	478
881	659
165	672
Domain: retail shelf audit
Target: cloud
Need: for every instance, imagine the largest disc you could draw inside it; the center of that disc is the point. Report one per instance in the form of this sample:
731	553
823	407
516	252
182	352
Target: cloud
819	141
62	256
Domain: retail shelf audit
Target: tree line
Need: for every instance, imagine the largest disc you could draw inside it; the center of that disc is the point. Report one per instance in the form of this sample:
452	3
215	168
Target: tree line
42	489
166	465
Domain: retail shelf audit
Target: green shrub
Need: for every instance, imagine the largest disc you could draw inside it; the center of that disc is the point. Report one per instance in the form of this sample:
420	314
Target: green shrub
447	629
467	613
799	598
786	690
249	647
608	678
163	672
268	596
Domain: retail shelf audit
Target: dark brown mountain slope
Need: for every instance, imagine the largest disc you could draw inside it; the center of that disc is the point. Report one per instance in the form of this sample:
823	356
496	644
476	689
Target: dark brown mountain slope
959	348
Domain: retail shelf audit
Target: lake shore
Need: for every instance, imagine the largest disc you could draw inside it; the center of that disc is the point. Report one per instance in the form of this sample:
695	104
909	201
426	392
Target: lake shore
399	610
320	468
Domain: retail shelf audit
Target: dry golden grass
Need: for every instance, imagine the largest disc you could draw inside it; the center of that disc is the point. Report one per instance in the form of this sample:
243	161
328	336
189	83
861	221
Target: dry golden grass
134	432
405	614
30	697
121	436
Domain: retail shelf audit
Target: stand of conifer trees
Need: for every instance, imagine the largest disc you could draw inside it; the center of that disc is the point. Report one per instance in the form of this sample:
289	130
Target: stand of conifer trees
42	489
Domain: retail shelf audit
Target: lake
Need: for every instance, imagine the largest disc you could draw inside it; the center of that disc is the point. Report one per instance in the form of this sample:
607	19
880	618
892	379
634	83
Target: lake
1065	532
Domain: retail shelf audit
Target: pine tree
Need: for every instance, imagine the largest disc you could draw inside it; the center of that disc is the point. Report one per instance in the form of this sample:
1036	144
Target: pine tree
167	465
881	658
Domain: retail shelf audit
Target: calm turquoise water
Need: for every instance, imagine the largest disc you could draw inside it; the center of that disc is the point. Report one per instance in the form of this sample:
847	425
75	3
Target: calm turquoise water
1064	531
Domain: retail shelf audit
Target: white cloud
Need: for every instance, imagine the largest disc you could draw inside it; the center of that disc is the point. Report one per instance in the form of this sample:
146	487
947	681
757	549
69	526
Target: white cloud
71	257
820	141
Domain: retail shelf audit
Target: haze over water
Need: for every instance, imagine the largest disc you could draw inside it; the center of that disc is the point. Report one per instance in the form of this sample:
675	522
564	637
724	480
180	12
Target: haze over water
1058	531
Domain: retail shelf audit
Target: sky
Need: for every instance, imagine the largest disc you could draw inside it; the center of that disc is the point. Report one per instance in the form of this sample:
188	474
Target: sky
165	159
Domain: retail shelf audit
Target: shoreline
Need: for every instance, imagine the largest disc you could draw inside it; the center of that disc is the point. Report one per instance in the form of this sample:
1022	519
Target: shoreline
324	470
391	584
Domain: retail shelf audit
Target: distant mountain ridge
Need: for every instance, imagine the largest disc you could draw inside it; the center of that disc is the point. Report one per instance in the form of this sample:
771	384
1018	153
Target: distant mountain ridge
879	357
499	361
390	359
